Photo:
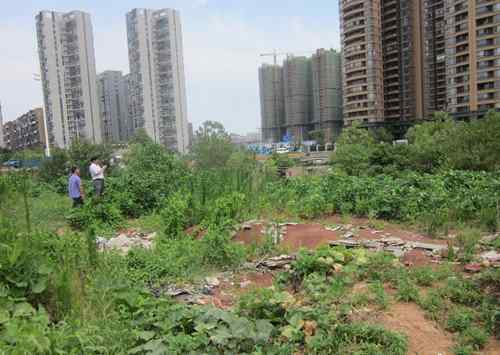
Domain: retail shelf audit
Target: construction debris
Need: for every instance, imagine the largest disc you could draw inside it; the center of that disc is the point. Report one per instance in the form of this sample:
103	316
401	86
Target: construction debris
126	241
396	246
277	262
490	256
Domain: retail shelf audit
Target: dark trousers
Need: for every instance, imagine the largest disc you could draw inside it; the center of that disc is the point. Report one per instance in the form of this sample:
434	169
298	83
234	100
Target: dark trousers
77	202
98	186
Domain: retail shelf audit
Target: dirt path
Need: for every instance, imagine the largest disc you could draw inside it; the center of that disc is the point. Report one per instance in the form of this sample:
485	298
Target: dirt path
424	336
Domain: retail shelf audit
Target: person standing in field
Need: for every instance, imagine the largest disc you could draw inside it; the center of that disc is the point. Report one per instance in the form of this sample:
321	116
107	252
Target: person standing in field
75	187
97	175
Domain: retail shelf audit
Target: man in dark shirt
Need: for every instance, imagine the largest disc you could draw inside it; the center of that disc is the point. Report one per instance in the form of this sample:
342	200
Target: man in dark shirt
75	187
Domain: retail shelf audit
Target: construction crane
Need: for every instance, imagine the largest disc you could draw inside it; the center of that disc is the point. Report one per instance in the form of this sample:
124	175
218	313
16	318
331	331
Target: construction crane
275	55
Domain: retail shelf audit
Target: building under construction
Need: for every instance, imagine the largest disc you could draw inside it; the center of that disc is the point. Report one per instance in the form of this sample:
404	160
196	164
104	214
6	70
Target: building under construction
303	95
327	93
297	78
272	102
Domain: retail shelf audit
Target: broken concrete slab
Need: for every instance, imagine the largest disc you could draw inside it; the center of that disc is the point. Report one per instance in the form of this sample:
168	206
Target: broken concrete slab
492	256
276	262
434	248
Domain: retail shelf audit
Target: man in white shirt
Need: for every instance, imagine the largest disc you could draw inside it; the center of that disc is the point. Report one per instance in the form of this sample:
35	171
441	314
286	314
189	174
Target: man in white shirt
97	175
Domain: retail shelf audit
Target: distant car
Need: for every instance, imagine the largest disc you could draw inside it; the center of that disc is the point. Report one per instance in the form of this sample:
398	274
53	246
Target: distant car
12	164
282	150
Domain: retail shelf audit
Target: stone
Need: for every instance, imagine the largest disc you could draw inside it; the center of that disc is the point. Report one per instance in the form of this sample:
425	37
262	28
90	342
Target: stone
393	241
491	256
212	281
349	235
434	248
333	229
345	243
277	262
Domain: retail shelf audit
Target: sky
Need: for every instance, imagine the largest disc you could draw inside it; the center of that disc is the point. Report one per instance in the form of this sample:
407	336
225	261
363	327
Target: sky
223	40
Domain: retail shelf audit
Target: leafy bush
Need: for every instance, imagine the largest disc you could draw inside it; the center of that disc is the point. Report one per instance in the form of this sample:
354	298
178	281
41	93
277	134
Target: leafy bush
459	319
175	215
218	250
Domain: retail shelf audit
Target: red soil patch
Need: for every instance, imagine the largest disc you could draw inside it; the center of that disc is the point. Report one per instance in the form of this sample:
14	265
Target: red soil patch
493	348
417	258
249	236
424	336
309	236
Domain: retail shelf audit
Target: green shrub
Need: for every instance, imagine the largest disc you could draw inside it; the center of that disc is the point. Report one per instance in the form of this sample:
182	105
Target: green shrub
407	291
218	250
175	215
459	319
474	337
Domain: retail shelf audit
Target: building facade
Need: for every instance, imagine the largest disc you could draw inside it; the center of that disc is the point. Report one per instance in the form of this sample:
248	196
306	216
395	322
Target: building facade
472	56
68	74
434	57
113	99
272	102
157	84
437	55
26	132
362	58
327	92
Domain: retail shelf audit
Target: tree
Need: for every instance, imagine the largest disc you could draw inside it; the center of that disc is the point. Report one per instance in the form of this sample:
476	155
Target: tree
428	142
140	137
354	150
56	166
212	147
476	145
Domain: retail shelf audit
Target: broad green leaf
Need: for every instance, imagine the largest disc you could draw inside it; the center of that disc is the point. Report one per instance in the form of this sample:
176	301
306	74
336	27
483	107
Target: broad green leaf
39	286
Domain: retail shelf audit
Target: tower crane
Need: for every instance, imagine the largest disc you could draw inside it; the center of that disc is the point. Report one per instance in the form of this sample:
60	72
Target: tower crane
275	55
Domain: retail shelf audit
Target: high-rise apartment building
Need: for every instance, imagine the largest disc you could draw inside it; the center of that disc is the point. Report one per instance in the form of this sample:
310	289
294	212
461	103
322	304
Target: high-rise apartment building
68	73
437	55
2	144
26	132
157	83
472	55
402	48
434	57
362	60
113	95
272	102
327	92
297	82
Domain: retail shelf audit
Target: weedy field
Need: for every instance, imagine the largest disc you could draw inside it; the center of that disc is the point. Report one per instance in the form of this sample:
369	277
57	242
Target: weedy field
219	255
